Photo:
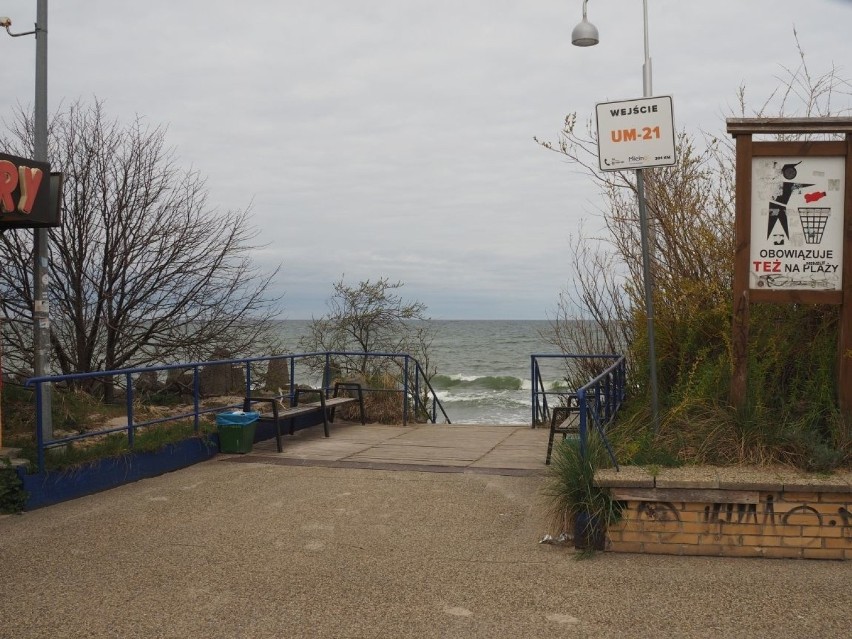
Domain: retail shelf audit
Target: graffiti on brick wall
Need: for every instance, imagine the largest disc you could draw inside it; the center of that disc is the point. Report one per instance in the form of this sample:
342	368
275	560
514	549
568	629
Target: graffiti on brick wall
769	512
765	514
741	513
732	513
657	511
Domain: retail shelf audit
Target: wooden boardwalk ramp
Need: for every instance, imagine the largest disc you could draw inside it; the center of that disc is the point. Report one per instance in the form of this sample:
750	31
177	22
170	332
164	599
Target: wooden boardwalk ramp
512	450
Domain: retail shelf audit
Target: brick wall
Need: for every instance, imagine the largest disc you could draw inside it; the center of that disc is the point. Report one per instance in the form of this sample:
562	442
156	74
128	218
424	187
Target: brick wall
757	519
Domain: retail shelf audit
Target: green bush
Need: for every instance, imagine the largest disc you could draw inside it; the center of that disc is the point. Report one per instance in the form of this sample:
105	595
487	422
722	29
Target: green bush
570	487
13	497
791	414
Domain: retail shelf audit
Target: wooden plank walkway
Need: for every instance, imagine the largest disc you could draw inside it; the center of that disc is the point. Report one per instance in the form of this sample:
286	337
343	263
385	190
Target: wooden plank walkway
513	450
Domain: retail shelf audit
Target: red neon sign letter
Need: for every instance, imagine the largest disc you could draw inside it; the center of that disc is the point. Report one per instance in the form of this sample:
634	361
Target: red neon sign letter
30	181
8	183
10	177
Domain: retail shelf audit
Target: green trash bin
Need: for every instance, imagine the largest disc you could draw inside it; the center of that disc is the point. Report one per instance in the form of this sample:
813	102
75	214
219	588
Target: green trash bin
236	431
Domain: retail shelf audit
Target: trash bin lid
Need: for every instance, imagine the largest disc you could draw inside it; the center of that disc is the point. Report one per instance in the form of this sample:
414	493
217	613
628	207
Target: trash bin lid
237	418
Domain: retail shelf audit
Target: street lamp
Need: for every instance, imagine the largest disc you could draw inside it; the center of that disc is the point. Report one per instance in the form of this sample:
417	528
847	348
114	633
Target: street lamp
6	22
585	34
41	318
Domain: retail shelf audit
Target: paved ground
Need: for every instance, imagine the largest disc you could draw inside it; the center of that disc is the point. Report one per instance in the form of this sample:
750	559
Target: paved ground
259	549
456	448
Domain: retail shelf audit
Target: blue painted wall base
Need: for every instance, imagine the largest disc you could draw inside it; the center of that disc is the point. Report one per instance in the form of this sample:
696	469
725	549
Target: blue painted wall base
54	486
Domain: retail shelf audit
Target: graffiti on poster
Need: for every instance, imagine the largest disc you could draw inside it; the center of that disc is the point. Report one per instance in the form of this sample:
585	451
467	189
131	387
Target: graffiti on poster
797	223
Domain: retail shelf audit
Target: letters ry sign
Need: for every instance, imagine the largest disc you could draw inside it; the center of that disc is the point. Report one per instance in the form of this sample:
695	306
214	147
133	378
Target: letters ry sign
26	196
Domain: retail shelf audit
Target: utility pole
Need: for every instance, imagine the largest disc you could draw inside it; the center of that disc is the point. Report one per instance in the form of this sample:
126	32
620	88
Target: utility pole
41	272
585	34
645	232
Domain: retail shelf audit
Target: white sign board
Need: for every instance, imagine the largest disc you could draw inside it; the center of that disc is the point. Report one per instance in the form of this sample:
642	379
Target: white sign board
797	223
636	134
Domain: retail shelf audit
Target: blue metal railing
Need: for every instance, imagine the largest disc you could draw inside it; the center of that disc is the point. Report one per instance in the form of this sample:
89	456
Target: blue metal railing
599	400
416	389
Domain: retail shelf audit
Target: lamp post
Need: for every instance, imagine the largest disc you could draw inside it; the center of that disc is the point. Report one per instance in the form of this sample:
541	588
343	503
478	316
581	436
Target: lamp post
585	34
41	318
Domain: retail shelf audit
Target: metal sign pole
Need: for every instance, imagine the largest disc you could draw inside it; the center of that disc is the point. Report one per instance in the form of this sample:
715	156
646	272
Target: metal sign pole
636	134
649	296
41	318
647	92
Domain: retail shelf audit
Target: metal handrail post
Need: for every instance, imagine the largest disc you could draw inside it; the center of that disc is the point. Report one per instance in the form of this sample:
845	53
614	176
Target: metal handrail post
599	407
128	402
196	394
545	407
581	403
417	373
619	386
39	434
433	412
540	408
405	393
44	441
326	374
533	393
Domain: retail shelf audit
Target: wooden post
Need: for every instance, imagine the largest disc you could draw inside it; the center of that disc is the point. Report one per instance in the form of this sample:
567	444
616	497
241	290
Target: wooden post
1	386
844	346
746	150
742	243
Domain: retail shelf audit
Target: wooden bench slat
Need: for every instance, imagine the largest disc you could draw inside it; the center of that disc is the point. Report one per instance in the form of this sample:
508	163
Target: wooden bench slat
311	407
565	420
326	406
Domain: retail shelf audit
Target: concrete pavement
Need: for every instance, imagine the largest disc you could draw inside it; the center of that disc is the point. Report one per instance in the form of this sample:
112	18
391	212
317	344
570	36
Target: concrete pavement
264	550
424	446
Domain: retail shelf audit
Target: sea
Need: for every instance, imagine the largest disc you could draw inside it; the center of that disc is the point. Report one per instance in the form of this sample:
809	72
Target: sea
482	367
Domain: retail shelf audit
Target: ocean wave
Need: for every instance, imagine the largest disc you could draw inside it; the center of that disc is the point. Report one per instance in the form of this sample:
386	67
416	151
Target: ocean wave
490	382
487	410
483	398
558	385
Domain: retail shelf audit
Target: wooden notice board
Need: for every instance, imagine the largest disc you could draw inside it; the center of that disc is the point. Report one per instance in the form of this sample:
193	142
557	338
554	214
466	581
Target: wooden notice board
793	230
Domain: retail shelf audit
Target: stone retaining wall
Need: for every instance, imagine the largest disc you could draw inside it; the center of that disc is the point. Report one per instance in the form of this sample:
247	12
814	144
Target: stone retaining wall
732	513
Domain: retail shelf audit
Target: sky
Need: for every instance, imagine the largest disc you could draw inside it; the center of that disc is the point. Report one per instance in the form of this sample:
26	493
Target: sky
394	138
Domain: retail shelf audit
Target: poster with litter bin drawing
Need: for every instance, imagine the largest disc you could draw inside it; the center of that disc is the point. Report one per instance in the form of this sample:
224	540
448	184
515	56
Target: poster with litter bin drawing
797	223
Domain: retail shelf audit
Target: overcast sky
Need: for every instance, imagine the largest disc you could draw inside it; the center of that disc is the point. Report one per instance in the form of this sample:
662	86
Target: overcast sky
395	137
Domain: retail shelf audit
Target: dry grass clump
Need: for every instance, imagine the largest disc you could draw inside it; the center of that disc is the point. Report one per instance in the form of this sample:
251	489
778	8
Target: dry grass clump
791	414
382	400
708	432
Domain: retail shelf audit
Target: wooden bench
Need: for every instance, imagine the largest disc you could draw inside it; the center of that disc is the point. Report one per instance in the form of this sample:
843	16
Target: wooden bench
564	420
325	405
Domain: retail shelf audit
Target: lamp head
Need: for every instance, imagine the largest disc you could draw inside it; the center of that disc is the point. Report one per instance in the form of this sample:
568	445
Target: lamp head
5	22
585	34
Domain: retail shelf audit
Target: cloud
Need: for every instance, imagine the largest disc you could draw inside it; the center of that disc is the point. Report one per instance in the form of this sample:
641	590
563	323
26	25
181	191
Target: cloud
381	138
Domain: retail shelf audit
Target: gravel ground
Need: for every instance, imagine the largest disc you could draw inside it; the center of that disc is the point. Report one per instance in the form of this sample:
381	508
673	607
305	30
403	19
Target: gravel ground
258	550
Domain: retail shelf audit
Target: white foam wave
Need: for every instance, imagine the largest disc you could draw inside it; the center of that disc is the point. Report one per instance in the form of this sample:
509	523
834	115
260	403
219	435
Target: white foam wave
485	398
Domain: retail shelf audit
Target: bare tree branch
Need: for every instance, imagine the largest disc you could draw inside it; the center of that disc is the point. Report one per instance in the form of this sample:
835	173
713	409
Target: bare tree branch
142	269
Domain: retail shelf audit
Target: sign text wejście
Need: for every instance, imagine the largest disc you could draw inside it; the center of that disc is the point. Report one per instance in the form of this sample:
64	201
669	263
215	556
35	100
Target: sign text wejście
652	108
636	134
